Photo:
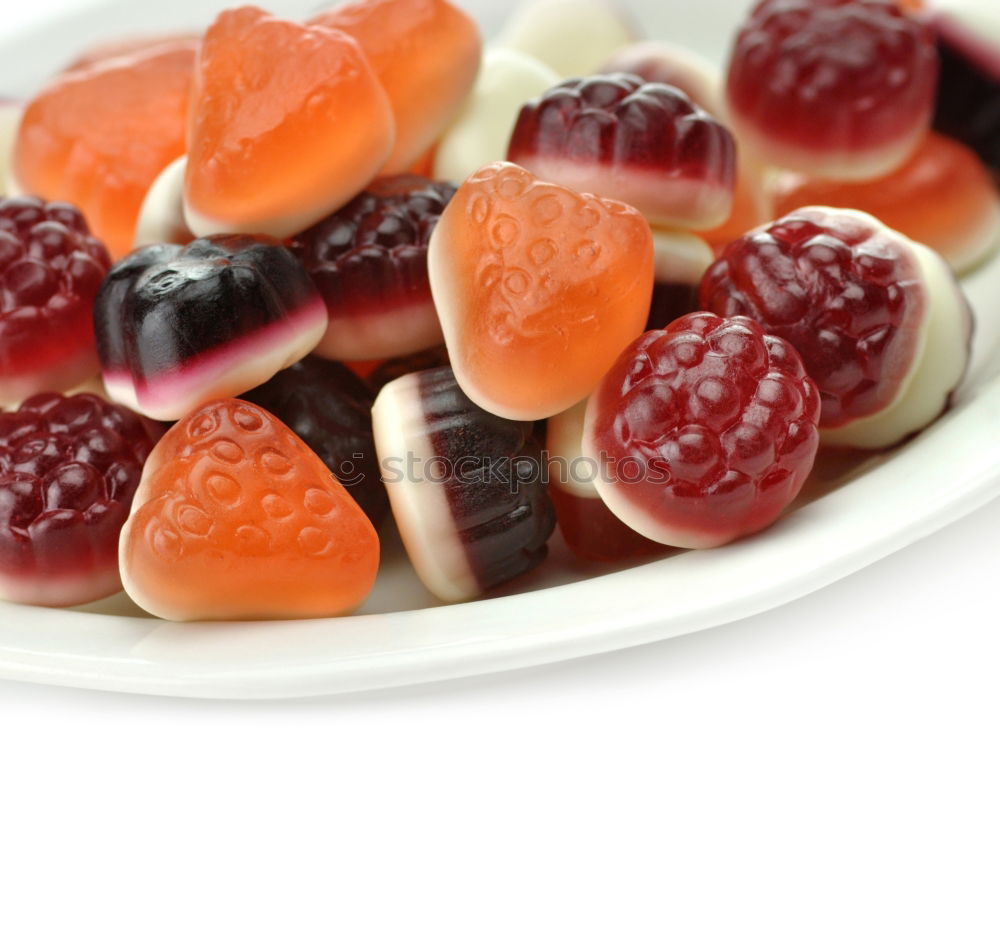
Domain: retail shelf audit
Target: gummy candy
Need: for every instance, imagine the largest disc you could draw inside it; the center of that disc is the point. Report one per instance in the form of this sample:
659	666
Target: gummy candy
369	262
178	325
879	320
842	89
236	518
942	196
50	271
642	143
68	469
538	288
264	86
466	487
98	136
706	431
161	216
425	54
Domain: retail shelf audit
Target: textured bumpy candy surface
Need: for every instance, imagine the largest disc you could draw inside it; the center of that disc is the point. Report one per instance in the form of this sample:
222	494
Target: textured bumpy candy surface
177	325
98	136
330	409
50	271
538	289
465	486
707	431
876	317
643	143
942	196
288	123
69	467
425	54
839	88
369	262
236	518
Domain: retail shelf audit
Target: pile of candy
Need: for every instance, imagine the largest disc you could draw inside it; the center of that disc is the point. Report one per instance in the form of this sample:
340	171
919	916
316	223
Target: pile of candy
333	267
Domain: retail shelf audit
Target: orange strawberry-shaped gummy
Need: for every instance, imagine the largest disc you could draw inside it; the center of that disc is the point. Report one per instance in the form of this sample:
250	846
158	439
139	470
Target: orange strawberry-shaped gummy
288	122
426	55
236	518
539	289
942	196
98	135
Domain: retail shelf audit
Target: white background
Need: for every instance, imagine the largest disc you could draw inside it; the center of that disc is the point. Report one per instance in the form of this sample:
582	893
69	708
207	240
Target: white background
824	772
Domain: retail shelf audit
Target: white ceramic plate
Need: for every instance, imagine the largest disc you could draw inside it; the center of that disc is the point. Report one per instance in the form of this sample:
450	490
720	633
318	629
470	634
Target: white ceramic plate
855	516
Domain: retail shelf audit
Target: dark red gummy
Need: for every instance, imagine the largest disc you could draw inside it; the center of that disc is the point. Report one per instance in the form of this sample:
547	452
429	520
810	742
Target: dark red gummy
846	294
164	305
622	119
371	255
69	467
50	271
710	424
330	408
497	496
837	74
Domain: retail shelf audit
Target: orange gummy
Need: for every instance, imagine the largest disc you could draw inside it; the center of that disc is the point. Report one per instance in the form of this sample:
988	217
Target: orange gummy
942	196
99	135
426	55
236	518
539	289
288	122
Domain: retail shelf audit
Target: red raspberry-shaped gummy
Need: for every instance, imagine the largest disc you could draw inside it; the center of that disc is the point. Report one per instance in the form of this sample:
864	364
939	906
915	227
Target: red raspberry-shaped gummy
50	270
704	432
643	143
842	89
69	467
369	262
865	307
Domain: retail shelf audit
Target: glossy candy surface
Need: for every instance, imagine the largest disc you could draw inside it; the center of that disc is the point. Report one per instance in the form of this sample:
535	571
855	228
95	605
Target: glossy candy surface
69	467
50	271
842	89
369	262
466	487
262	87
236	518
538	289
330	409
425	54
98	136
942	196
643	143
707	431
879	320
177	325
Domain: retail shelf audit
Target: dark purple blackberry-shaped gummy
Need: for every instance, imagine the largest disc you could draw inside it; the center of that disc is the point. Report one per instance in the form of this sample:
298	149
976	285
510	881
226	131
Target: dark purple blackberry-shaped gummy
163	305
69	467
329	407
369	259
498	498
621	118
